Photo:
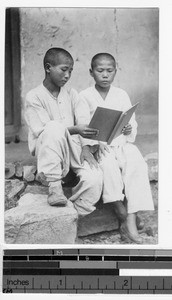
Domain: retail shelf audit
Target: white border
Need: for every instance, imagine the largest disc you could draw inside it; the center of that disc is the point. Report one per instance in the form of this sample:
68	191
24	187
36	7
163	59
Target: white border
165	127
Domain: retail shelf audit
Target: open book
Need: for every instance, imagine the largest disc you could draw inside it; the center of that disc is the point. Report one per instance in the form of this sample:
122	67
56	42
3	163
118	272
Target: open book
110	122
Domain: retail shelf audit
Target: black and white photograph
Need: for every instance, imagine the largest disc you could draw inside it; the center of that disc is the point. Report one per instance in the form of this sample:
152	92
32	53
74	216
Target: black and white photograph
81	125
85	149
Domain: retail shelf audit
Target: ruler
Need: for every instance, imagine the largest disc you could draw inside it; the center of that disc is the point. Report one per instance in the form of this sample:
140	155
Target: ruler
68	271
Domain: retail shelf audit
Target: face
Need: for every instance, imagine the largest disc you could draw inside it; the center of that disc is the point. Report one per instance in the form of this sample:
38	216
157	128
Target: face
103	72
61	72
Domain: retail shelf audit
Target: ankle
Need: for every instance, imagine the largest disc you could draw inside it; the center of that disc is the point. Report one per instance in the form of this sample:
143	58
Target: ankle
131	224
120	210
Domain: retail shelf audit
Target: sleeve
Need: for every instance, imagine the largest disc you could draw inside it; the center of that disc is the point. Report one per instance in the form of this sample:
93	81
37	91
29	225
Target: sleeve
36	115
82	115
132	136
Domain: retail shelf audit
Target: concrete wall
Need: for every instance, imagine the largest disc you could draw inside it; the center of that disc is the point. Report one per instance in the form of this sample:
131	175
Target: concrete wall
131	35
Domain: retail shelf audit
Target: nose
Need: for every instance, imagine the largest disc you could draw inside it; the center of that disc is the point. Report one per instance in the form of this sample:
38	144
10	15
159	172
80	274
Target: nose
67	74
105	74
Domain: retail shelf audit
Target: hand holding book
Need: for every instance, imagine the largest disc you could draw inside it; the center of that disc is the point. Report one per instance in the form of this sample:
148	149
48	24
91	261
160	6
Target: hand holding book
127	129
111	123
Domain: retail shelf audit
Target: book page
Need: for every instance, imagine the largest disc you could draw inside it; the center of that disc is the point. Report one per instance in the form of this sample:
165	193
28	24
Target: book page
124	119
104	120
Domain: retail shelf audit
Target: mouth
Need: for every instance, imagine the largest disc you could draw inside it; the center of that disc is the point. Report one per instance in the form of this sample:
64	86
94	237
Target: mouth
63	81
105	81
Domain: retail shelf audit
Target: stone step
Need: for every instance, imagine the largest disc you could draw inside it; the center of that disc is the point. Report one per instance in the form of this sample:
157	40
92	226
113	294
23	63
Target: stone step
101	220
33	221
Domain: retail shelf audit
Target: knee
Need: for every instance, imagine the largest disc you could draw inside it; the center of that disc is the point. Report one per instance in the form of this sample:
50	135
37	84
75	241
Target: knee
93	177
144	166
135	157
139	164
108	160
54	129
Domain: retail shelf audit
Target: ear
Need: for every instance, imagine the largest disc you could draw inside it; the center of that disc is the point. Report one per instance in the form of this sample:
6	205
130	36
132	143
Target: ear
115	71
91	72
47	67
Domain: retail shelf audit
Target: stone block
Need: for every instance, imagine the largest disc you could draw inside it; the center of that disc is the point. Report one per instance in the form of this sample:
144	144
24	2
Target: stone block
13	189
101	220
9	170
18	170
28	173
33	221
152	162
36	189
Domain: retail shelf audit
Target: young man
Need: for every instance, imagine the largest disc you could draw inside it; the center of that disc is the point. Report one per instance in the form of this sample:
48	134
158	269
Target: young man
122	164
53	115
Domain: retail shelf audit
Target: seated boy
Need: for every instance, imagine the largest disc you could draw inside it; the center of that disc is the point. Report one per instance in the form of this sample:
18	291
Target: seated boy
52	115
122	164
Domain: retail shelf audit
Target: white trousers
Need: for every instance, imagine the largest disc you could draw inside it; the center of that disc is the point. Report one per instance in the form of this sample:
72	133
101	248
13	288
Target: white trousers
56	152
124	169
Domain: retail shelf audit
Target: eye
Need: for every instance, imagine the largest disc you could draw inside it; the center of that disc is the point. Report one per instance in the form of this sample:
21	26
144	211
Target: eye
66	69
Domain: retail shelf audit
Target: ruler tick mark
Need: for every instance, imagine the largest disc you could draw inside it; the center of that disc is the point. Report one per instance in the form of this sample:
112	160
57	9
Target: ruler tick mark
33	283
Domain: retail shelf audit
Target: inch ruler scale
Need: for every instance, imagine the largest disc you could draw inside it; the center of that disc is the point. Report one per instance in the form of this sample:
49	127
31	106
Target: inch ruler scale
108	271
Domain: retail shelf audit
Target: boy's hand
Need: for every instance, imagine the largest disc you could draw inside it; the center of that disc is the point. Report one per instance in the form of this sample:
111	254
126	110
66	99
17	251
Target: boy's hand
88	156
99	150
127	129
85	131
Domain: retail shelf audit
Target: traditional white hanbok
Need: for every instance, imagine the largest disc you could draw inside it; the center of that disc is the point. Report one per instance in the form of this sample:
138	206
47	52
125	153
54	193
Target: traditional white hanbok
124	168
48	118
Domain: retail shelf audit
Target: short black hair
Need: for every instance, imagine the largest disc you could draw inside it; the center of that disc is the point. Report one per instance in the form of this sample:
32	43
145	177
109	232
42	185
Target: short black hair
102	55
52	55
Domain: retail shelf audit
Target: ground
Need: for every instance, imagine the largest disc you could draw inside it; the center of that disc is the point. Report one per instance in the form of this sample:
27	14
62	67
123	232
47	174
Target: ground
18	152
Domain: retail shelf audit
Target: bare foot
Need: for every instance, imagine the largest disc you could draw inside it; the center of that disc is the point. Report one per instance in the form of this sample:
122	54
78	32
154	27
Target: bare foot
129	231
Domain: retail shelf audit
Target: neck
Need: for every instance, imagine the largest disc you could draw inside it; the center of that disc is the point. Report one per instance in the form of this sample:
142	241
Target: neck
51	87
103	91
